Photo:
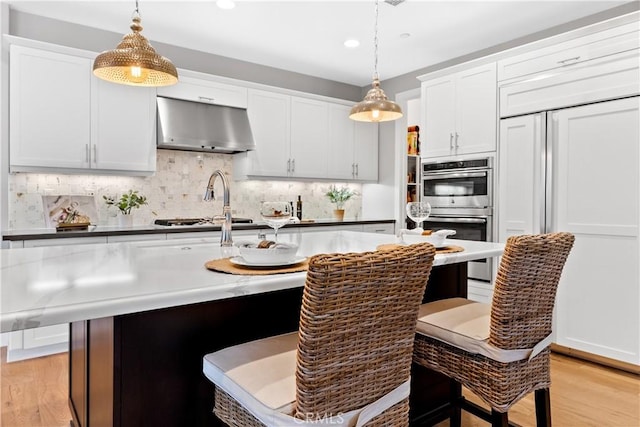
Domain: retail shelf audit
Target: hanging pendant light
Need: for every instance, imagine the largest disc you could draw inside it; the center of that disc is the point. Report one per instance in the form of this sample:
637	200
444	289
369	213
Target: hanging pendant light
375	107
134	62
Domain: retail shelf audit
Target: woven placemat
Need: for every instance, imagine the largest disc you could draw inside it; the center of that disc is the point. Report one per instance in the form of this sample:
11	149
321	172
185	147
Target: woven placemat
445	250
223	265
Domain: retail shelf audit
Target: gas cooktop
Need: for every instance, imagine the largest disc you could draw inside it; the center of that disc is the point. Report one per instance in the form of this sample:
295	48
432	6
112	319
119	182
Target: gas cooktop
176	222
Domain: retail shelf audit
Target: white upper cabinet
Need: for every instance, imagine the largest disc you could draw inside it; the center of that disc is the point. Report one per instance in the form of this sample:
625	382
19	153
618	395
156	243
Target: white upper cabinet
366	151
353	146
123	128
201	89
562	56
270	119
298	137
309	138
459	112
50	95
341	142
67	120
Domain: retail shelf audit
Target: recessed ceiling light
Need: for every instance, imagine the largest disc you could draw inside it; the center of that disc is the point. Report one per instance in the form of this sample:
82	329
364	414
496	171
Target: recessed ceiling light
226	4
405	35
351	43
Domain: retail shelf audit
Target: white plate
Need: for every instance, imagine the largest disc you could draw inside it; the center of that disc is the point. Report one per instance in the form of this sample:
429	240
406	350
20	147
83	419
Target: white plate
238	260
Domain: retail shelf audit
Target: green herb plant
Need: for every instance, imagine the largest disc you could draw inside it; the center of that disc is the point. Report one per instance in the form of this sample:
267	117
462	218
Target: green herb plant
126	202
340	195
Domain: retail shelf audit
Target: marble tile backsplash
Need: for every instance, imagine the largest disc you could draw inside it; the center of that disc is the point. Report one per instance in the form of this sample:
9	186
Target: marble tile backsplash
175	190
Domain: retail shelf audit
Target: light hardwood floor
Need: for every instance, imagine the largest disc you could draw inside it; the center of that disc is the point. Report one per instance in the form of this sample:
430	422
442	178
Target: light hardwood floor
34	394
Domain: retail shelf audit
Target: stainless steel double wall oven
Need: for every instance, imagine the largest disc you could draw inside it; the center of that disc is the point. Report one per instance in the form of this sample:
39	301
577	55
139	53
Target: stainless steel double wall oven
461	196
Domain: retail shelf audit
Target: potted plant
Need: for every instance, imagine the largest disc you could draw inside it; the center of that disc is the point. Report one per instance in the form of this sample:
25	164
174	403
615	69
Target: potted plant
125	203
339	196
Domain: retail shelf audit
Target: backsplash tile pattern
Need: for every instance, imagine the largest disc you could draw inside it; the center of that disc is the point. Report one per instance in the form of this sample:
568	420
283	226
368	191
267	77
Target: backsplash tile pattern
175	190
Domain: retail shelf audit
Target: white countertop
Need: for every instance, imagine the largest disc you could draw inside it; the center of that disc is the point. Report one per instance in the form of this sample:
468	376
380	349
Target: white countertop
61	284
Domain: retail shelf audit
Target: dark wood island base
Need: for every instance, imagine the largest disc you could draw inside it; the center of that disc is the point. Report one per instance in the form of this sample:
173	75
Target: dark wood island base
145	369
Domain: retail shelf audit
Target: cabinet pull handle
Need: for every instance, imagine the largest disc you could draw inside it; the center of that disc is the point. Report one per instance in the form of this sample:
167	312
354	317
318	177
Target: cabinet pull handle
86	152
289	165
95	154
353	169
357	171
450	141
564	61
206	98
457	140
293	165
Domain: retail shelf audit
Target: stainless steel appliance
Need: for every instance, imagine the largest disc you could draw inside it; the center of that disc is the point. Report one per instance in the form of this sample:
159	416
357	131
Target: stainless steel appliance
200	126
458	184
461	196
185	222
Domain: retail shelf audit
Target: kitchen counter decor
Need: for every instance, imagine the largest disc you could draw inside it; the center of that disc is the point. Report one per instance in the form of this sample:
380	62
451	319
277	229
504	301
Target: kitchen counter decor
67	212
224	265
128	201
339	196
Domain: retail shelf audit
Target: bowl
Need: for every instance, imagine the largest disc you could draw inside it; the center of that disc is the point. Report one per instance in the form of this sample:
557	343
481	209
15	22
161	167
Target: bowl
437	238
263	253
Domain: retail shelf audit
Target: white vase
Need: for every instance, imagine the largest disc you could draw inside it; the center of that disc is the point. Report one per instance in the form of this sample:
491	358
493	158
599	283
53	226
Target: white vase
125	220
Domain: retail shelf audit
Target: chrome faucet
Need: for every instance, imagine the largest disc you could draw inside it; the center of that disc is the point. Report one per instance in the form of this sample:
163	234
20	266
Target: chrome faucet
209	194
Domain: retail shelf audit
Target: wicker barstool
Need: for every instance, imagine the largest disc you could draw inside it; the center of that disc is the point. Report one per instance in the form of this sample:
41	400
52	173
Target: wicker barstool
350	361
499	351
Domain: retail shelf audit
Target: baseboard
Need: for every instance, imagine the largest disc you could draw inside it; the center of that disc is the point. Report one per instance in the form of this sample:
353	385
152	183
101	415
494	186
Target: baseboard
601	360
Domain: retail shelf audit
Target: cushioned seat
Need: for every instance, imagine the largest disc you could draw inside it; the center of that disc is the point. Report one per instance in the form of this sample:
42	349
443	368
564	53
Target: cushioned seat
350	361
499	351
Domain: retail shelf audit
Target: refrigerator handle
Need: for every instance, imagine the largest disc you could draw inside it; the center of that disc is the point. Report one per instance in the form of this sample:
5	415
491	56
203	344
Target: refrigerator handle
550	145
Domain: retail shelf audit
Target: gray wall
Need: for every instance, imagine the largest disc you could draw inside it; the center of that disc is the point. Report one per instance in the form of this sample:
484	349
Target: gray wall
82	37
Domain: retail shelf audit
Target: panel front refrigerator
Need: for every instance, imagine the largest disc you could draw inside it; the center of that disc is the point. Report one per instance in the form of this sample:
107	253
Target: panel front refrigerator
577	170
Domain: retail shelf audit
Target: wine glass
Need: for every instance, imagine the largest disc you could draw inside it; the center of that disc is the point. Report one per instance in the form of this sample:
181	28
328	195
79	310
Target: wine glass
418	212
275	214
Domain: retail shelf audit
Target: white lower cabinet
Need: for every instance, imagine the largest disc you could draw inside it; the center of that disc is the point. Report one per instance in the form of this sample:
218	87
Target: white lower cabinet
479	291
383	228
37	342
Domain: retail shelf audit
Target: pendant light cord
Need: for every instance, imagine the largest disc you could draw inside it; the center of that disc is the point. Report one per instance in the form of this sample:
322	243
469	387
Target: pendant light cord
375	45
136	13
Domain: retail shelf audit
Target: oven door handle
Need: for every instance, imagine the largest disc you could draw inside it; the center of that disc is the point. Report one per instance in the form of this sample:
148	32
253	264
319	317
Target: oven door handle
460	220
426	176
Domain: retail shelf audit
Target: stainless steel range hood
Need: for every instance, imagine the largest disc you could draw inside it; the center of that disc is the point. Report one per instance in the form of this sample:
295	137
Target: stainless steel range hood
196	126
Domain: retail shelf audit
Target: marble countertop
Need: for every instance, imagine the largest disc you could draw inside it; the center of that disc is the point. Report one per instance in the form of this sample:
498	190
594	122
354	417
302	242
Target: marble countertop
111	230
60	284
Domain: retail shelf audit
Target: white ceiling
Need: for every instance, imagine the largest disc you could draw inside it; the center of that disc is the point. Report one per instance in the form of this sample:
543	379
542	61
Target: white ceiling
307	36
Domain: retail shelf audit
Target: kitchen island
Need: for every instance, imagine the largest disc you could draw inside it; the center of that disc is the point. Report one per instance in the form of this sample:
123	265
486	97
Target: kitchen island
142	316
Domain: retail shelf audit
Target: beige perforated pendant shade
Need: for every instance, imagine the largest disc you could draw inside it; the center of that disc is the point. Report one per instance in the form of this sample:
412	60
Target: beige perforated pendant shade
375	107
134	62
